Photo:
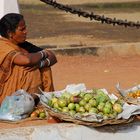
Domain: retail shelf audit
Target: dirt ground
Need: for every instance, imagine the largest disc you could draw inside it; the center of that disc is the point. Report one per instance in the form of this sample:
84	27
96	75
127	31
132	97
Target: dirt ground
97	72
62	29
52	27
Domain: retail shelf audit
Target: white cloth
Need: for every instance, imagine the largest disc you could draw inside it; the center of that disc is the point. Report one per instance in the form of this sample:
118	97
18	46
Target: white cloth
8	6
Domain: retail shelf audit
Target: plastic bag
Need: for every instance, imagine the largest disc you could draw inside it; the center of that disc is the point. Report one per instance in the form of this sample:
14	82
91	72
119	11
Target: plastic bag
17	106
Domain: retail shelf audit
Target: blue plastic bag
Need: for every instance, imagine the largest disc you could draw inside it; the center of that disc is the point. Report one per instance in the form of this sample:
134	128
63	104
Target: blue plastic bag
17	106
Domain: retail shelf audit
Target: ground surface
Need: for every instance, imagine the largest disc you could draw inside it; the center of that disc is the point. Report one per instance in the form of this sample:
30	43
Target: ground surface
49	26
99	72
52	27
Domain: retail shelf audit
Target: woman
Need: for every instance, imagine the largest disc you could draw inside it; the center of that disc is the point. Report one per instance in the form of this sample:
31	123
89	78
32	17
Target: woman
22	65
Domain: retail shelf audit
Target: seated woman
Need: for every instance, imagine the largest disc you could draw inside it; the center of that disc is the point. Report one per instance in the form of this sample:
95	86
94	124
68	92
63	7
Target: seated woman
22	64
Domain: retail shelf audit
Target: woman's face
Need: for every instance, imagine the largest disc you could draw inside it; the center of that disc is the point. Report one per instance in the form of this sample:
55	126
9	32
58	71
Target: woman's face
19	36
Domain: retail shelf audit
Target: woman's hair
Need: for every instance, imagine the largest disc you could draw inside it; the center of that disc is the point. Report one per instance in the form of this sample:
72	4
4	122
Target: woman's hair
9	23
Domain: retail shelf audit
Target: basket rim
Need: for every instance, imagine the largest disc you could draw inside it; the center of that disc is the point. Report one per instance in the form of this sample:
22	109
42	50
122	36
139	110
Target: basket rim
68	118
130	100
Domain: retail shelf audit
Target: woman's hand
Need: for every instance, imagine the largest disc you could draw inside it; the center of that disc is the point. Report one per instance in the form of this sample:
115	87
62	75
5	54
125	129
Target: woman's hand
51	57
36	99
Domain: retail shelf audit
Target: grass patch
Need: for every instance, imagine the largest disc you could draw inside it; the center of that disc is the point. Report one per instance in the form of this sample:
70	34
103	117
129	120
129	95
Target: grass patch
37	9
127	7
30	2
113	7
124	5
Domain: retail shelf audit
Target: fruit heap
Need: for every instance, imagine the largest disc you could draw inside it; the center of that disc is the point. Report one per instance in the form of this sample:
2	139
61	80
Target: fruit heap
93	102
134	94
38	113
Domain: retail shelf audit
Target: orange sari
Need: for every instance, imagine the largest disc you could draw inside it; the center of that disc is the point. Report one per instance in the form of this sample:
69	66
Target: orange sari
14	77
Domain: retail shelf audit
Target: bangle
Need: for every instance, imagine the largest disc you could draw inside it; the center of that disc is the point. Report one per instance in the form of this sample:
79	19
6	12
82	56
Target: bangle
45	54
48	61
42	54
42	63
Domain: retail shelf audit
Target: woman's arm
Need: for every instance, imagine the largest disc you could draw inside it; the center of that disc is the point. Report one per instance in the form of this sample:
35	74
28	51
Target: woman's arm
29	59
51	57
33	50
49	61
41	59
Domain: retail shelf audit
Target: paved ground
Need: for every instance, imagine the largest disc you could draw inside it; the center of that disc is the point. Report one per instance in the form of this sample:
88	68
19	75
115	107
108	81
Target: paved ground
105	71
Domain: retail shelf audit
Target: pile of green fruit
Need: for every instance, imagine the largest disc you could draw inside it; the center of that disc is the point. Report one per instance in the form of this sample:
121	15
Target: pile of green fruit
93	102
38	113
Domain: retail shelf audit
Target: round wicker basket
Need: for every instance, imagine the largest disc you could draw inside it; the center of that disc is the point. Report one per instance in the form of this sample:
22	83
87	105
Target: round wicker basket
68	118
131	100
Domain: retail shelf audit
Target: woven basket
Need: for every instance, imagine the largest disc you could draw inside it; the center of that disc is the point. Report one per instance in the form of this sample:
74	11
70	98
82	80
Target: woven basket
130	100
124	94
68	118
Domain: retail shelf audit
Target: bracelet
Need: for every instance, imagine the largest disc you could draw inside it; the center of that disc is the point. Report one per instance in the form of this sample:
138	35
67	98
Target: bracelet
45	54
42	63
48	61
42	54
